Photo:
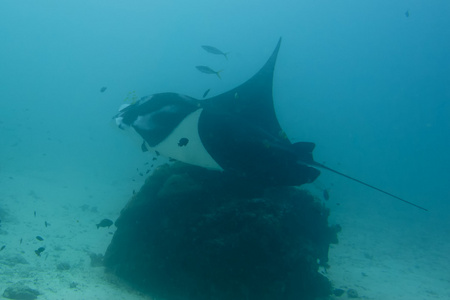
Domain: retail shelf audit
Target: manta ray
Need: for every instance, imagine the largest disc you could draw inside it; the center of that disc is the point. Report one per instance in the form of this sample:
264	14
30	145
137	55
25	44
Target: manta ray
236	132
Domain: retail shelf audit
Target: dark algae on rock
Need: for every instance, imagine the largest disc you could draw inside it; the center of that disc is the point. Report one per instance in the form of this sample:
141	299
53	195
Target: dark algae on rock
190	233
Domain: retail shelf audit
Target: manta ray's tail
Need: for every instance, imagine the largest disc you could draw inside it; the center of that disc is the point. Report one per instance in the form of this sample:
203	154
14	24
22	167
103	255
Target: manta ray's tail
366	184
304	154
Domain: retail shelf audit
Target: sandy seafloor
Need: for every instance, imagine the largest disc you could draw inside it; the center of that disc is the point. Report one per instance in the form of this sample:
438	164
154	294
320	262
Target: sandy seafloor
377	255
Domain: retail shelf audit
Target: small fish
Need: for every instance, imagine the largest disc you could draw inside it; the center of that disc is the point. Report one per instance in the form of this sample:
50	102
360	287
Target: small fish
35	214
105	223
326	194
39	238
144	147
39	251
208	70
214	50
103	89
21	241
47	224
407	13
3	247
183	142
206	93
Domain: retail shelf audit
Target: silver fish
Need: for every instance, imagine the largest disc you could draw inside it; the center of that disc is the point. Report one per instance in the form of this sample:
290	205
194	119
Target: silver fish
208	70
214	50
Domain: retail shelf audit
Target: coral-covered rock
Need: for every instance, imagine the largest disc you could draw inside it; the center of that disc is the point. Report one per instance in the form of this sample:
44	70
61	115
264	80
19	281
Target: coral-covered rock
190	233
20	291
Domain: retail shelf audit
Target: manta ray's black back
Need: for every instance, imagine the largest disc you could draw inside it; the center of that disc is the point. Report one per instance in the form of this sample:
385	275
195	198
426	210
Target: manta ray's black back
240	130
253	99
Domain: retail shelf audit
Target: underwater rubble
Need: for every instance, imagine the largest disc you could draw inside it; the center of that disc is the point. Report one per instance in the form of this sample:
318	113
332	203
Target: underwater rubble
191	233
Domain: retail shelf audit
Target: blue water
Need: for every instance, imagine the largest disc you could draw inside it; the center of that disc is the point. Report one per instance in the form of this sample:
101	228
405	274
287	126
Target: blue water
369	85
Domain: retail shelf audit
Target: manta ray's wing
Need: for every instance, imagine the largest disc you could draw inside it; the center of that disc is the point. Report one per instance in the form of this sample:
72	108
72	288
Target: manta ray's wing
253	99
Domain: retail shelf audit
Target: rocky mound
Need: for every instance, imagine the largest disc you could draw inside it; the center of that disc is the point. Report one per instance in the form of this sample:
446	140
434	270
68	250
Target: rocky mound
190	233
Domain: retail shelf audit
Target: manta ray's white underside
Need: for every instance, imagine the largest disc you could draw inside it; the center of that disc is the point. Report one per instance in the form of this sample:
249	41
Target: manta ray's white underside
193	152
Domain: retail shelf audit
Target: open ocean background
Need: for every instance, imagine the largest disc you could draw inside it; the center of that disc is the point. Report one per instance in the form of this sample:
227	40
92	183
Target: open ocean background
364	81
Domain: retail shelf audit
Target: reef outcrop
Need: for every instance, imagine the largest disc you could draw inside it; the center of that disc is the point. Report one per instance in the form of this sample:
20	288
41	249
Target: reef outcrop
190	233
